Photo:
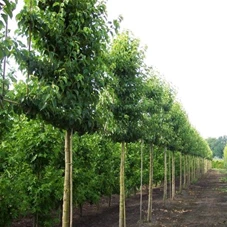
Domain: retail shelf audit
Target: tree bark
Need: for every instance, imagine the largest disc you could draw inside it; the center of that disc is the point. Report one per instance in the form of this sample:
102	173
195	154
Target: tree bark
141	182
4	61
194	168
173	175
185	172
165	178
170	174
71	178
188	170
197	167
150	195
180	185
67	200
122	213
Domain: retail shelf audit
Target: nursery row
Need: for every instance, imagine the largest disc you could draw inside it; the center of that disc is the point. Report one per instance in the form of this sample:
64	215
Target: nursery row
82	77
32	167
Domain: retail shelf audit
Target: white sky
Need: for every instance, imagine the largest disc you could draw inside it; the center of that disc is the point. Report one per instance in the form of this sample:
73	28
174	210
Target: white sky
187	43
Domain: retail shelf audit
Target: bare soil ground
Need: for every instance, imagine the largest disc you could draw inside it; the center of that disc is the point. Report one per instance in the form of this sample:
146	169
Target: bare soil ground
202	204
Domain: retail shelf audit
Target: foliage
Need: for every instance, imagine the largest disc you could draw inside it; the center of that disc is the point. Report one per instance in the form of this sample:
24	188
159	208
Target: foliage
30	168
218	164
6	43
95	168
65	80
225	156
156	96
217	145
126	57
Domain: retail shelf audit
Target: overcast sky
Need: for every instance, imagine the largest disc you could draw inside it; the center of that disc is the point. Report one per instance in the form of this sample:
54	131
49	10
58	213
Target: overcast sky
187	43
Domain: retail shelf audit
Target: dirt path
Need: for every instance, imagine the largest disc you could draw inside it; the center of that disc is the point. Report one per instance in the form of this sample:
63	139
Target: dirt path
202	204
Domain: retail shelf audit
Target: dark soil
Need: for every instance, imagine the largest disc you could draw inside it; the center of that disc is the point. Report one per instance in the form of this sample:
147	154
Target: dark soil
202	204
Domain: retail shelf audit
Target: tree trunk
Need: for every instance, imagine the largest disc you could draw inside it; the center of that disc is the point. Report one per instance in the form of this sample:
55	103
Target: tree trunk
122	213
141	182
173	176
81	209
110	199
165	178
169	173
180	185
185	172
71	178
194	168
67	198
4	61
35	220
197	167
206	165
188	170
125	149
150	199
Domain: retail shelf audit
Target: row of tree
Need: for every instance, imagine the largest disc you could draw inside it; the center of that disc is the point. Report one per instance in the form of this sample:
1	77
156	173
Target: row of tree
83	77
32	167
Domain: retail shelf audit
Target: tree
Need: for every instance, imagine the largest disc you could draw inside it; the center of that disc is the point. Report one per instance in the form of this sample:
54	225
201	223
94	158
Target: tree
217	145
178	120
154	102
64	63
127	57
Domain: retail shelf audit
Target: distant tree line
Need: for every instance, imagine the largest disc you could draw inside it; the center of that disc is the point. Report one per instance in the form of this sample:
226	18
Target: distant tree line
217	145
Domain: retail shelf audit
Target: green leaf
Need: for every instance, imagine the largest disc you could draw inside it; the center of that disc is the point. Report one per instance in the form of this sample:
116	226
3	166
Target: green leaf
34	158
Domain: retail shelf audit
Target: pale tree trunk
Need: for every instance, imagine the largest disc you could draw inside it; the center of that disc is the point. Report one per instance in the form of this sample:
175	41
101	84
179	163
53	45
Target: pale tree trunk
185	174
197	167
122	212
71	179
4	61
180	185
149	210
204	165
165	177
173	175
141	182
124	187
193	169
201	164
189	170
67	198
194	164
170	174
